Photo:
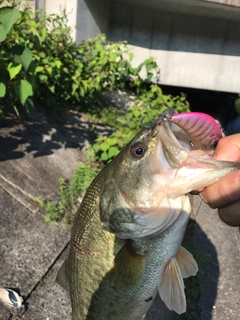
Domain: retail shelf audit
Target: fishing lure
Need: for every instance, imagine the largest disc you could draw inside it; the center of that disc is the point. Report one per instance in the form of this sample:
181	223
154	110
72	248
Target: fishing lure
203	130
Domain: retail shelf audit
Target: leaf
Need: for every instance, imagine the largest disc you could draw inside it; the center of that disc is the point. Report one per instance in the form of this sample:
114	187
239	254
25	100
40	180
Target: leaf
104	156
74	87
95	147
129	116
82	92
14	70
25	90
8	16
37	41
39	69
136	113
3	33
98	46
22	55
2	90
132	125
43	77
52	88
112	152
29	105
58	63
42	54
112	141
43	32
104	146
49	69
112	56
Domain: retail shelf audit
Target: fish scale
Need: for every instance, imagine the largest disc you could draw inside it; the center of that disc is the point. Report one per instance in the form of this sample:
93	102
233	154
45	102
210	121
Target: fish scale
89	246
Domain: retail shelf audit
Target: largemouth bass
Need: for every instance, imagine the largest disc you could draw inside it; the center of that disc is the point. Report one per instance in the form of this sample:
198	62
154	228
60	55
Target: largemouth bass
126	238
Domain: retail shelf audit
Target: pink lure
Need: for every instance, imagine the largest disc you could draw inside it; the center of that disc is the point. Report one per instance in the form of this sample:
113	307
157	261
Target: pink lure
203	130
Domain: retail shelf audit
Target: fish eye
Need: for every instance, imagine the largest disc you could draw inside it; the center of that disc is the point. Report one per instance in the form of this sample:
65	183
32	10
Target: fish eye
138	151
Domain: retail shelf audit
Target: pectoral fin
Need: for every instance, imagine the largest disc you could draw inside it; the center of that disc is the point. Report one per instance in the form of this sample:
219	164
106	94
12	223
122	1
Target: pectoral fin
128	267
171	287
186	263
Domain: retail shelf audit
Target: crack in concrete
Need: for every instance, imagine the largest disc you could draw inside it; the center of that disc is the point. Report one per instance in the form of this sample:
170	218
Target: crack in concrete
20	195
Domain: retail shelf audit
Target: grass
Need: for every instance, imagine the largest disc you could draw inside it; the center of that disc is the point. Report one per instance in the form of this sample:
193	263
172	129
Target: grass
70	192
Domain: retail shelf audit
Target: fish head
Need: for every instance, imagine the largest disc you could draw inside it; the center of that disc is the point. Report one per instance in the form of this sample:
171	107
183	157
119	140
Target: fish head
145	186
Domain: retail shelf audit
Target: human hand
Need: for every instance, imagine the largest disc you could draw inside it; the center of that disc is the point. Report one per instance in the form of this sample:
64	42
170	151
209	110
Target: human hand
225	193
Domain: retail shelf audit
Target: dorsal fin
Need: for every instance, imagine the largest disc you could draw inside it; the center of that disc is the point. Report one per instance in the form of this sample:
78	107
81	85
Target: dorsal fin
186	263
171	287
62	278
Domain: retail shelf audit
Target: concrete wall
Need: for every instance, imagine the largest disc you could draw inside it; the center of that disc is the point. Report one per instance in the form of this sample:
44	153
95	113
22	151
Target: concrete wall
92	18
195	42
192	50
86	18
71	9
235	3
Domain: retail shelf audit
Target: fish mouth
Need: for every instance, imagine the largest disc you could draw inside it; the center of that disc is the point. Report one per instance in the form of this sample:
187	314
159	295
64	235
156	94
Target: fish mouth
171	149
174	146
189	169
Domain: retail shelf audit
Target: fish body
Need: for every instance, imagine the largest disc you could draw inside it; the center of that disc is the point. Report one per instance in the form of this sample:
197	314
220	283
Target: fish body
126	238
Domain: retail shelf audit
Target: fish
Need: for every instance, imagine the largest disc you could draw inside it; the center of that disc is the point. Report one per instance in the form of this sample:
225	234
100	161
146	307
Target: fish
125	244
10	298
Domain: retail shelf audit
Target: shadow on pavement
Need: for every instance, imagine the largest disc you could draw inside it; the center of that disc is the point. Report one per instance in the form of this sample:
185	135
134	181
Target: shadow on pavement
40	137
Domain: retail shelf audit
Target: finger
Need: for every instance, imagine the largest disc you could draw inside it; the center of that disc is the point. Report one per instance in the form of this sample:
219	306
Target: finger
228	148
230	214
223	192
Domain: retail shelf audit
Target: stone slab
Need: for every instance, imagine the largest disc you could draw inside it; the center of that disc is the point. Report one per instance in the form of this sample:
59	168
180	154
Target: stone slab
28	246
220	282
49	301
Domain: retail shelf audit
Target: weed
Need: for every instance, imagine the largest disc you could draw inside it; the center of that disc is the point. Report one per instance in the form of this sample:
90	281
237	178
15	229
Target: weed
70	192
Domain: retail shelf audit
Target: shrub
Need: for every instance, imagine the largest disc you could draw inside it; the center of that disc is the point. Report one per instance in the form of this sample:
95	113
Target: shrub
41	63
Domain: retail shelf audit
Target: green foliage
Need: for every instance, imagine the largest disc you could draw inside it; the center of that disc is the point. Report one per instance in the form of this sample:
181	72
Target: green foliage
8	16
15	61
41	63
148	105
71	191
